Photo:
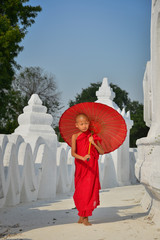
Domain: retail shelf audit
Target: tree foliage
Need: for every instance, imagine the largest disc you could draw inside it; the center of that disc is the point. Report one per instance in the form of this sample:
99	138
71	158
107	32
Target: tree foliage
87	95
121	96
34	80
15	17
139	128
11	108
122	100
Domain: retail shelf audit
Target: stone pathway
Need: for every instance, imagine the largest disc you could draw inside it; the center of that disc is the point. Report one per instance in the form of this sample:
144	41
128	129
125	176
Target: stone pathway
119	217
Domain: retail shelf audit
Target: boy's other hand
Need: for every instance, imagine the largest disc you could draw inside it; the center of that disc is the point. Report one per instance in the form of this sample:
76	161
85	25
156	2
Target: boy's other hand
86	157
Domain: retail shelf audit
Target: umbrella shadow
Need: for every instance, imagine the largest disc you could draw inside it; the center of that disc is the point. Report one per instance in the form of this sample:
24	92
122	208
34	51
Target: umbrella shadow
116	214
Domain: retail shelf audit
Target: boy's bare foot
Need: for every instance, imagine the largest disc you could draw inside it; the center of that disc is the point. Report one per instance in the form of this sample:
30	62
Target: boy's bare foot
81	220
85	222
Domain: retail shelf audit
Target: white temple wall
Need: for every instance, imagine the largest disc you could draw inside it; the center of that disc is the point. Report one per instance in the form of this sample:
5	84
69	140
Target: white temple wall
108	175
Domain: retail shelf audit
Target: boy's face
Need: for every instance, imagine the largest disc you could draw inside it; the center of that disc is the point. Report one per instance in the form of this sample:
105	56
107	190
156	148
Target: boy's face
82	123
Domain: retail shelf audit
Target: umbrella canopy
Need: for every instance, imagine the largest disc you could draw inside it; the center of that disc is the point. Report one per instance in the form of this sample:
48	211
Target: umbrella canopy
106	122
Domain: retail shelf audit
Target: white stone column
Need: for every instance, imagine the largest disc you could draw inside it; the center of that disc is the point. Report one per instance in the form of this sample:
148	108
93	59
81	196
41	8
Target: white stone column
155	70
35	123
120	156
148	162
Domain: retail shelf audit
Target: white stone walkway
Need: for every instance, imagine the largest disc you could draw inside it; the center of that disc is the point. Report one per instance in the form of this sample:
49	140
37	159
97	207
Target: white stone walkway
119	217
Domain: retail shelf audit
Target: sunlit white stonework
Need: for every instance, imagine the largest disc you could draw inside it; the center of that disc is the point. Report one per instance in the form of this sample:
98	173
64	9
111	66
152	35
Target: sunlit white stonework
148	162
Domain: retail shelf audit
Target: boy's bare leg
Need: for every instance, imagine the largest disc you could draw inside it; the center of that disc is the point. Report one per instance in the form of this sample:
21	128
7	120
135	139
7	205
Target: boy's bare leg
85	222
81	220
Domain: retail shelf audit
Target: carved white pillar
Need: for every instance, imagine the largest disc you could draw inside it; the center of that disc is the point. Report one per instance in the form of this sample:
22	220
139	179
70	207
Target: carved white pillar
151	81
120	156
147	89
148	163
35	123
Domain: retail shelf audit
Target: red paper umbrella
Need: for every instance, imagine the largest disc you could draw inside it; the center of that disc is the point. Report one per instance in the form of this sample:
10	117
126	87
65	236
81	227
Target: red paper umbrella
106	122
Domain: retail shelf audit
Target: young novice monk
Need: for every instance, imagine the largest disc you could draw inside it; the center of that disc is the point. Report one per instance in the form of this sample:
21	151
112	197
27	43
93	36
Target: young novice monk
87	185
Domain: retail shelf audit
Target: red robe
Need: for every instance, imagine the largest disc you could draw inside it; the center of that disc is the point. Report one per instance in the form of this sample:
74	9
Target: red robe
87	185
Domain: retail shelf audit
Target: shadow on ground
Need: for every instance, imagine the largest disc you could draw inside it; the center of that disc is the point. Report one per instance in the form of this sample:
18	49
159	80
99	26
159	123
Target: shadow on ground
35	215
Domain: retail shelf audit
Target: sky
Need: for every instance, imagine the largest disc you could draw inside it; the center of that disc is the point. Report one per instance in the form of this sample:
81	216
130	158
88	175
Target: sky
82	41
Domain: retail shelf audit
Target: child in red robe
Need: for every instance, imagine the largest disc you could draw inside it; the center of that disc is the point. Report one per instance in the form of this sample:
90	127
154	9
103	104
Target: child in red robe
87	185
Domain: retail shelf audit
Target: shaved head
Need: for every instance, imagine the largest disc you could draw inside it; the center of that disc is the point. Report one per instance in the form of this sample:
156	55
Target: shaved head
81	116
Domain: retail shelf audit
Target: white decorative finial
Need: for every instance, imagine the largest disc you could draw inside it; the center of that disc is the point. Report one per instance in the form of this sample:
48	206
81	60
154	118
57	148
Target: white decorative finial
35	100
105	94
35	120
105	91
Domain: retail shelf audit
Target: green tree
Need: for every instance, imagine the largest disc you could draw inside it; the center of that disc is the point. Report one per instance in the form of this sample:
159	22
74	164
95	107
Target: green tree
122	100
139	128
87	95
121	96
15	17
12	108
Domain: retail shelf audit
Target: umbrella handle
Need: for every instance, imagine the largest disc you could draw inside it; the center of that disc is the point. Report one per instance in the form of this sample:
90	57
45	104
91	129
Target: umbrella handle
89	149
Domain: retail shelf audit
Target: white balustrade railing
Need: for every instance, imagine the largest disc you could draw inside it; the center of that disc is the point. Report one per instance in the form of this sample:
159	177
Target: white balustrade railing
26	172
